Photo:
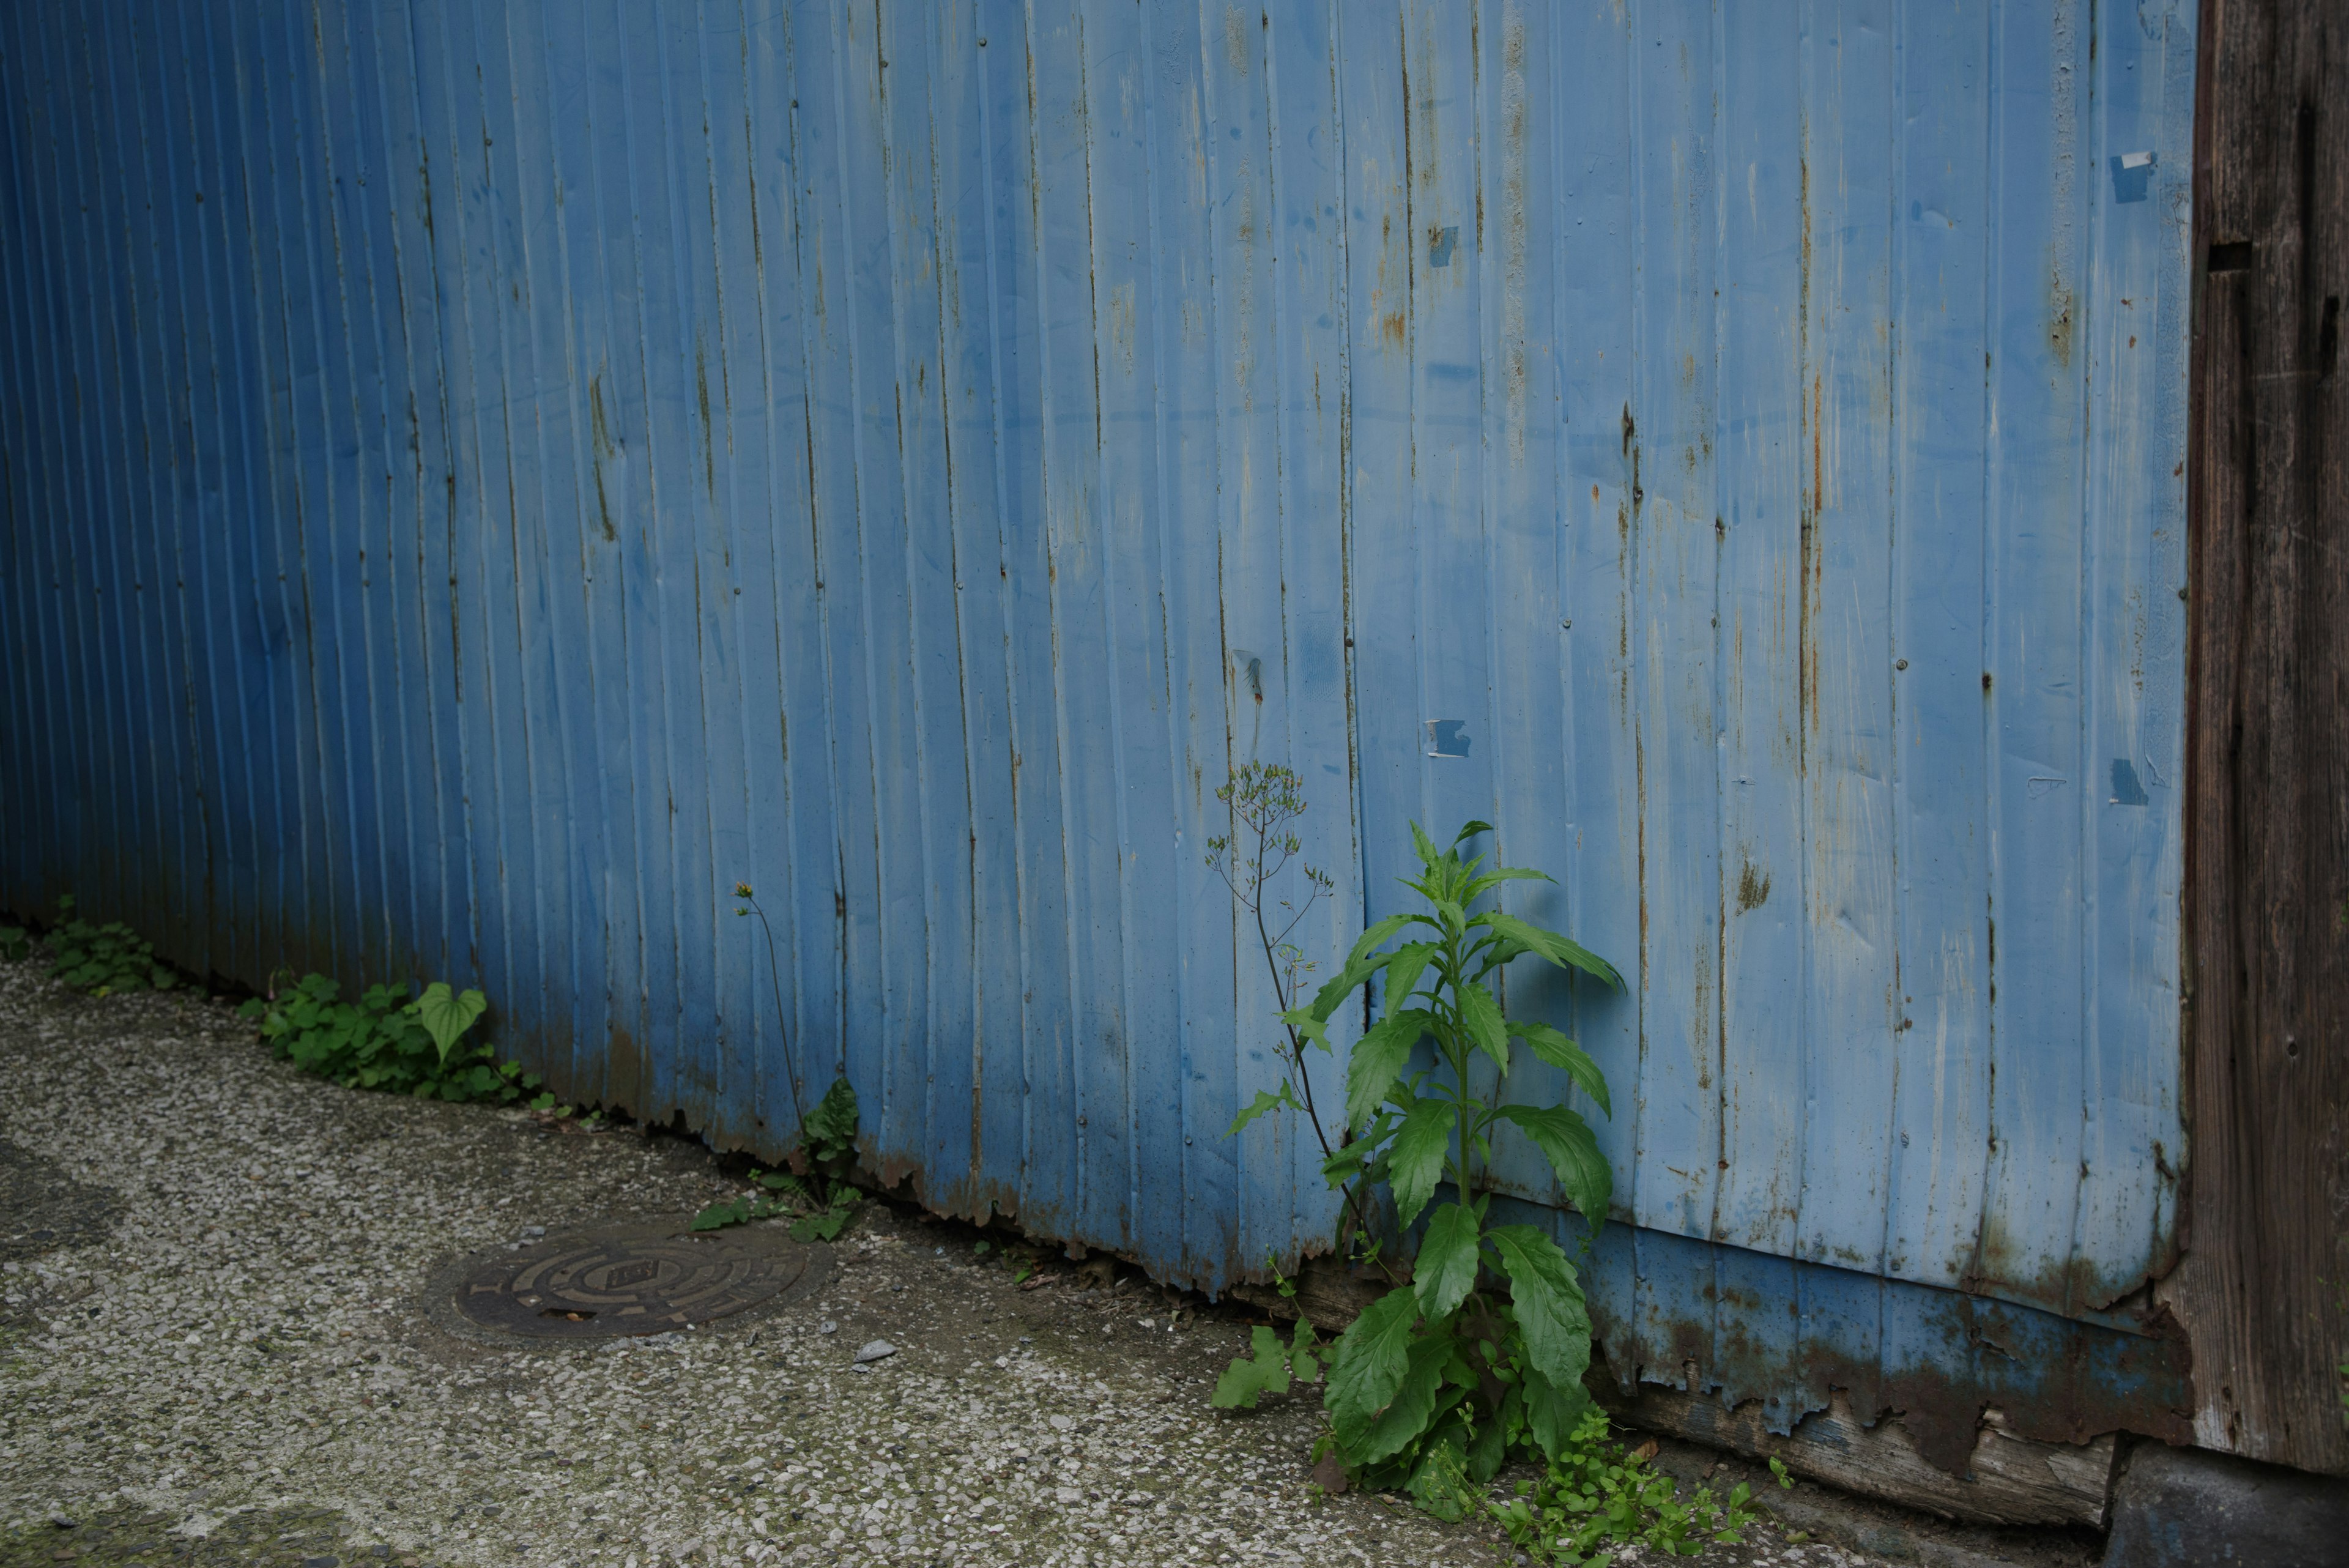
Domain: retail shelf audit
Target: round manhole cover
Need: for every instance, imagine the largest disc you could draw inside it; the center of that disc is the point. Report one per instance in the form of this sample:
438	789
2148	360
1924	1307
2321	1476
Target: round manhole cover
623	1280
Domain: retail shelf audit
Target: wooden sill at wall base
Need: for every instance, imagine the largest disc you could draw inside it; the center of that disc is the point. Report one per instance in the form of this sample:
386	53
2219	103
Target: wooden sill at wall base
2009	1480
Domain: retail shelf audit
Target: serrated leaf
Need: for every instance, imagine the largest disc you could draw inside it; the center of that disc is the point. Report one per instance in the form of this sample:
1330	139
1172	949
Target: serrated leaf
1546	1298
1367	1365
1251	1377
1378	1058
1481	1016
1316	1029
1425	847
1567	1141
1553	1413
446	1015
821	1227
1333	994
1407	1415
1562	1053
1563	951
1377	934
1265	1100
1404	967
1446	1270
1415	1161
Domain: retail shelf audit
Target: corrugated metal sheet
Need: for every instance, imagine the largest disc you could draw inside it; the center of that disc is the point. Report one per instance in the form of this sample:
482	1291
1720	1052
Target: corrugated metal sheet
481	479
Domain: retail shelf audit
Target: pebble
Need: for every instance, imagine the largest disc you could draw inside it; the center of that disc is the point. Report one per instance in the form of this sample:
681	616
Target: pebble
875	1350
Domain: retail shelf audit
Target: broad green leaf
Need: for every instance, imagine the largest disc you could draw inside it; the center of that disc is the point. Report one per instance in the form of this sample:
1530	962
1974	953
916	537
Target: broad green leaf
1368	1363
1348	1161
1265	1100
1553	1412
1406	1416
833	1120
1560	951
1547	1300
1376	935
1446	1270
1470	829
1567	1141
1416	1160
1481	1016
1251	1377
1425	847
446	1016
1561	1053
1404	967
1333	996
1378	1060
1455	919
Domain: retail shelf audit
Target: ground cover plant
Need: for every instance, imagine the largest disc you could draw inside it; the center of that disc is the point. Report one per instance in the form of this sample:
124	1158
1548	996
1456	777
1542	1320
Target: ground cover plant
1480	1358
388	1040
99	960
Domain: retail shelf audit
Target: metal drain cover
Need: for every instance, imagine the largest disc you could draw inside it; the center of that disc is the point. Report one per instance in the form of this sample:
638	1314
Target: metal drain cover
623	1280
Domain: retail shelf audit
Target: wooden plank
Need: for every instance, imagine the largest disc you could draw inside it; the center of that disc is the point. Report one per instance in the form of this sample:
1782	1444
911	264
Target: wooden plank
2258	1289
2008	1480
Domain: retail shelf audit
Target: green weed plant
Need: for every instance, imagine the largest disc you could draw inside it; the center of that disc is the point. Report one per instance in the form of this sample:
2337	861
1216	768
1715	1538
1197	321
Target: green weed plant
98	960
389	1041
1479	1359
816	1189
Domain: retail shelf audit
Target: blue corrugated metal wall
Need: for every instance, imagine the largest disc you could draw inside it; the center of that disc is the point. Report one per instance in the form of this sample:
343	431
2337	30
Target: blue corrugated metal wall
480	479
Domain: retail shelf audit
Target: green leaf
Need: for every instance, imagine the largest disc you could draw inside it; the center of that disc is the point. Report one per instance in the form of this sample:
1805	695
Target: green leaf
1251	1377
833	1120
1316	1029
1404	967
1417	1158
1547	1300
1572	1150
1378	1059
1368	1364
1447	1271
446	1016
1468	830
1562	1053
717	1216
1425	847
1560	951
821	1227
1481	1016
1500	874
1376	935
1333	996
1265	1100
1407	1415
1553	1412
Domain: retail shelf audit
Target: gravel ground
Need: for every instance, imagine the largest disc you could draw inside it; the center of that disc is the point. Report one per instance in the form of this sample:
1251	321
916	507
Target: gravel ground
211	1350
